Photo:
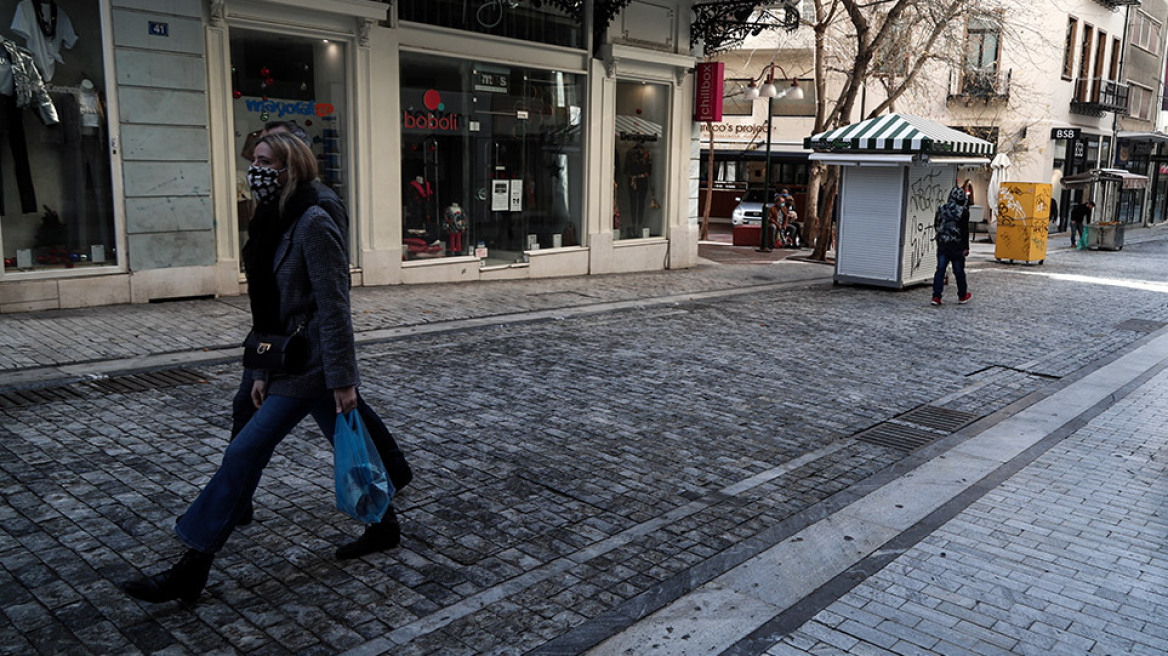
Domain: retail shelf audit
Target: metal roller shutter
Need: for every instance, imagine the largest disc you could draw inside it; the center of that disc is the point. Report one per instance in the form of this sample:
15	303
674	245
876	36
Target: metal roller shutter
869	229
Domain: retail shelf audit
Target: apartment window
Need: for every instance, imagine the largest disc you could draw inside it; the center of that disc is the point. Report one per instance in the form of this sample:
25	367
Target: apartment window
1115	50
982	46
1069	49
1083	90
792	107
734	101
1145	32
1140	102
1100	51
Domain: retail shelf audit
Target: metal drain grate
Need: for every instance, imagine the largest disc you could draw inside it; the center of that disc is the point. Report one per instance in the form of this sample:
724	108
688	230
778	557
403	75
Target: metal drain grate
943	419
897	436
146	381
23	398
916	428
1141	325
115	385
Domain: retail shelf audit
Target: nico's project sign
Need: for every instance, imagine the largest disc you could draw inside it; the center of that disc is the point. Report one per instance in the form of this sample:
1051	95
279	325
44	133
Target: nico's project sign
708	105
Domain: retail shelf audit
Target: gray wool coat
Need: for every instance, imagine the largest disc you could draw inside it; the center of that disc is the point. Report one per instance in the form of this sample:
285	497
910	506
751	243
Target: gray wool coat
312	274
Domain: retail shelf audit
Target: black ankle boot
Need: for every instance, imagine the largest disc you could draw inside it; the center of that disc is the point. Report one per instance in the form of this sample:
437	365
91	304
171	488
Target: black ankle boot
383	535
185	580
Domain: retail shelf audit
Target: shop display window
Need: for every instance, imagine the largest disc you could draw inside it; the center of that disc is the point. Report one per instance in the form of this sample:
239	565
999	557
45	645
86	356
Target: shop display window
298	80
492	159
556	22
642	129
56	193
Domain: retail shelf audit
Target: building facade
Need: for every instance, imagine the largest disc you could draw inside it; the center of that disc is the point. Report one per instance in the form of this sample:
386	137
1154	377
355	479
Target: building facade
470	141
1141	142
1059	87
739	141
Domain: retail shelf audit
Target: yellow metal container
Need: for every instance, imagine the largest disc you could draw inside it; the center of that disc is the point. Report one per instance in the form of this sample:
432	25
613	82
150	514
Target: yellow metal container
1023	218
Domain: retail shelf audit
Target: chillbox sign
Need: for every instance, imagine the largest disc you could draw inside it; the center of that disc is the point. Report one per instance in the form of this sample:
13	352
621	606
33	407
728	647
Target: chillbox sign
710	76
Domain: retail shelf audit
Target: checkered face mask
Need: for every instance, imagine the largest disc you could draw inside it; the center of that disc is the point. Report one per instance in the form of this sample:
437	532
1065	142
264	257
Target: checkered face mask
264	181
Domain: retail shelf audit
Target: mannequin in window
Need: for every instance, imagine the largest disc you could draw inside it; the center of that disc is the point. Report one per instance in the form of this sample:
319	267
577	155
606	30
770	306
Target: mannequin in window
418	196
638	168
83	122
46	29
454	223
22	87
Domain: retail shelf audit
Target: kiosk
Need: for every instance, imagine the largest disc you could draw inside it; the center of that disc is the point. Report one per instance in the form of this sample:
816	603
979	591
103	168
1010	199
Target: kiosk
897	170
1105	232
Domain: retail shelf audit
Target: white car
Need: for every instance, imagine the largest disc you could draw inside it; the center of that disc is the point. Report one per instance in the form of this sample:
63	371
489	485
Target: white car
749	208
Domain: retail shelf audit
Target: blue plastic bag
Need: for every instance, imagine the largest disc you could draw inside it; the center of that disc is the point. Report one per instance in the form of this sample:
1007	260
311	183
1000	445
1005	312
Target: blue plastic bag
363	487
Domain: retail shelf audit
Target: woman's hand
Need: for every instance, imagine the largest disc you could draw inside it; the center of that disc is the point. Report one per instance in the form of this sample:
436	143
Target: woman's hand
346	398
259	392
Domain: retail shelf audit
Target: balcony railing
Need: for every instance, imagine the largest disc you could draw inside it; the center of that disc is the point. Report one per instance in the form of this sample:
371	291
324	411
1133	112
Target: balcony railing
1094	96
977	85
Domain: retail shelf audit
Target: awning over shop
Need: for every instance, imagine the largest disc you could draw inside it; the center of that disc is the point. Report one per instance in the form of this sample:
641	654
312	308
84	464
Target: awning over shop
895	159
863	159
1128	179
637	126
901	133
755	155
1151	137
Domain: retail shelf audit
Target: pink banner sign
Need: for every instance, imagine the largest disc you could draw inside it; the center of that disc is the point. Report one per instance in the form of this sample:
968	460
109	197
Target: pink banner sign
710	80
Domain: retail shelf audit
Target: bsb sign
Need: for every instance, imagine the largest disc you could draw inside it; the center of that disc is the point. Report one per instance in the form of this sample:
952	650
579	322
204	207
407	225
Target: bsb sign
710	81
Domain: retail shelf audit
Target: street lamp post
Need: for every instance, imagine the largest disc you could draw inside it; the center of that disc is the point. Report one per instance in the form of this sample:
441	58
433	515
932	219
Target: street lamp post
771	93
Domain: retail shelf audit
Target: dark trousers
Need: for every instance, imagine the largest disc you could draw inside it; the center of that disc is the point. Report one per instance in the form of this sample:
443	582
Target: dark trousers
16	141
945	257
400	474
637	207
1076	231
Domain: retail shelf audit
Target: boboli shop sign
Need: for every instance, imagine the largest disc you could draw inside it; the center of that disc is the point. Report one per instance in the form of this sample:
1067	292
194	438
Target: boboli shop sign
708	105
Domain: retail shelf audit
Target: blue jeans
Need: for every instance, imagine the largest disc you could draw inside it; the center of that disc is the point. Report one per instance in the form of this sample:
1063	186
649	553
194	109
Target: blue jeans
207	524
242	410
945	257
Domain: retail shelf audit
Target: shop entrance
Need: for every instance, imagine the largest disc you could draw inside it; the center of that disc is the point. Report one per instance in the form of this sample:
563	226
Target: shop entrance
492	160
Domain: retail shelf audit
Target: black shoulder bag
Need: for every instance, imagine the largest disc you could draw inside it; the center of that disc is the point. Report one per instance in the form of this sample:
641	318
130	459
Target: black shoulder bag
285	353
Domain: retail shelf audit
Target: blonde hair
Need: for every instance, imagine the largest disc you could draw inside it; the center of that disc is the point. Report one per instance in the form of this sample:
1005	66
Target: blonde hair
298	160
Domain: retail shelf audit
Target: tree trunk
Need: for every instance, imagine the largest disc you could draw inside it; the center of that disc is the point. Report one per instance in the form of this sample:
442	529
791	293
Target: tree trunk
823	240
811	205
705	233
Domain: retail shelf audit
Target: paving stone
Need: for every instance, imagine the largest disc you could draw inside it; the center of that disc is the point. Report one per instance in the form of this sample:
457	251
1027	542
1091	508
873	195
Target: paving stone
532	442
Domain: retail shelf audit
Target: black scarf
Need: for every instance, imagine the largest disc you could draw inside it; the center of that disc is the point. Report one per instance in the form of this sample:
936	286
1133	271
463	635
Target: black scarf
264	232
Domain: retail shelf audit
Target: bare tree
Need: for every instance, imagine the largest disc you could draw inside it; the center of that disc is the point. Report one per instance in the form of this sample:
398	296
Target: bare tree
890	45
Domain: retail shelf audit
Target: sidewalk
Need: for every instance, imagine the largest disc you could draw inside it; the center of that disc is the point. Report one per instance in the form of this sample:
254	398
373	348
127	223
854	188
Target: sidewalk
61	346
1063	554
1067	556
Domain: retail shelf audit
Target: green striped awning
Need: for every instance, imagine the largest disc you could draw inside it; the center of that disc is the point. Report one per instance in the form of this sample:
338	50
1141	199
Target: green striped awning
899	133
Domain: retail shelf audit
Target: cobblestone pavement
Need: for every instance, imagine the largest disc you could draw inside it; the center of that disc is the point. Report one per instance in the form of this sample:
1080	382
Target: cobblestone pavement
1065	557
564	468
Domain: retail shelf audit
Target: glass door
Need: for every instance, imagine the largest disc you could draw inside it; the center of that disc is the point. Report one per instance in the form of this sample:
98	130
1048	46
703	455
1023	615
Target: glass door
298	84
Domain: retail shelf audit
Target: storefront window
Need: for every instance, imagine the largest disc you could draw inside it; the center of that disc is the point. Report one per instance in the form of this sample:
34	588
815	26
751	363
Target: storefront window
557	22
297	80
642	128
1161	192
491	158
56	195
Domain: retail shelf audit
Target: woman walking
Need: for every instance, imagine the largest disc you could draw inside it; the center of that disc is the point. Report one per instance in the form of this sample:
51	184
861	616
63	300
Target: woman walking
298	280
